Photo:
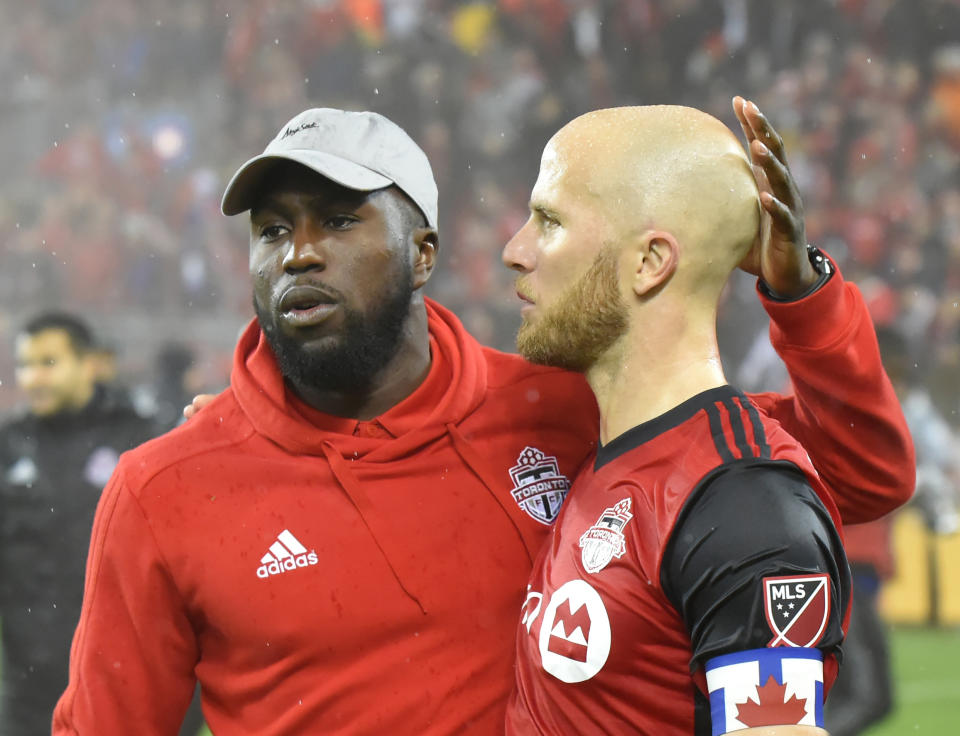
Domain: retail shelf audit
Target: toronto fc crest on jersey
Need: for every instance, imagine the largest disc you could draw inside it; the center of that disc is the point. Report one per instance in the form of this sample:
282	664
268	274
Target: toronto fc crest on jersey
604	540
538	486
797	609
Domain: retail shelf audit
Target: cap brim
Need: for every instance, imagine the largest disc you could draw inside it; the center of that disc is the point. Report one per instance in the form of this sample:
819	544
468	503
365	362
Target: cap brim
245	184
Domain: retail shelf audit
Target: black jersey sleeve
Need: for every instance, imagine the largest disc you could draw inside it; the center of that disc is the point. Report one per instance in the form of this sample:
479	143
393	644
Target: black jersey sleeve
744	522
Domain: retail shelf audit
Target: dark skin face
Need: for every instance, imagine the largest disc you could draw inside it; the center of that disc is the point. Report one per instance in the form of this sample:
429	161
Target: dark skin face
336	278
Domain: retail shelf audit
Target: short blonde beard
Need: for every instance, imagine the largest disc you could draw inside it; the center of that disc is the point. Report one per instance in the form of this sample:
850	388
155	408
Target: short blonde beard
585	322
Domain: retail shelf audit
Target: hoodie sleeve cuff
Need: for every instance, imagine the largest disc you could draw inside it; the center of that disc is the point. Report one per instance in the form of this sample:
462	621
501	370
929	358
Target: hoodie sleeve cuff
813	320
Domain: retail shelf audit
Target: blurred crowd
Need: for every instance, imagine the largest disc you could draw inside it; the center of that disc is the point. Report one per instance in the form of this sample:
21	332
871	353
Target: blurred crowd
124	119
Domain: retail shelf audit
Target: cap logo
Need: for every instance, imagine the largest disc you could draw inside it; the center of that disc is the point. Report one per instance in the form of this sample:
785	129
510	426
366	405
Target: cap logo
293	131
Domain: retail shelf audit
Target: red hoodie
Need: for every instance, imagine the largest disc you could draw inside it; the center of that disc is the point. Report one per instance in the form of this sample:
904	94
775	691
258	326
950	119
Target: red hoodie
342	577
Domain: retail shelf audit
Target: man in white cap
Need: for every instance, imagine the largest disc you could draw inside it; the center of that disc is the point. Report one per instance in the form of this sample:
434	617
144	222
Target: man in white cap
339	542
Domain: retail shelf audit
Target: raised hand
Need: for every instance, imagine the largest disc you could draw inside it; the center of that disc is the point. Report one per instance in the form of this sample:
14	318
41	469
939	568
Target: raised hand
780	255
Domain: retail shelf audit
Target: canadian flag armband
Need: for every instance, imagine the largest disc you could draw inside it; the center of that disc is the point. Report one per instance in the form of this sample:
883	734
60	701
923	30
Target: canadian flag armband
782	686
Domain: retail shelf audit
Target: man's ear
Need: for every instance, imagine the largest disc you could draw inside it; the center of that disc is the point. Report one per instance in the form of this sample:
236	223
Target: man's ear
89	367
657	253
427	242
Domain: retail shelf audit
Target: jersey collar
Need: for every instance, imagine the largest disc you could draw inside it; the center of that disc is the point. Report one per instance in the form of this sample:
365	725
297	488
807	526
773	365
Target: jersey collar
655	427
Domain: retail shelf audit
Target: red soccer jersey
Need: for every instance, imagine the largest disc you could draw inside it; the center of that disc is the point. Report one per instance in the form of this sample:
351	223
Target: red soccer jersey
657	564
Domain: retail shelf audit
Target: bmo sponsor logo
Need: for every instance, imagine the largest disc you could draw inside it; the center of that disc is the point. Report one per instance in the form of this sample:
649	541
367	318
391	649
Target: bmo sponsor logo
575	633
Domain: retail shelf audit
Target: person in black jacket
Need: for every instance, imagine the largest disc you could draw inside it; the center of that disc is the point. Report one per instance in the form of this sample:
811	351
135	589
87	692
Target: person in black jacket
55	459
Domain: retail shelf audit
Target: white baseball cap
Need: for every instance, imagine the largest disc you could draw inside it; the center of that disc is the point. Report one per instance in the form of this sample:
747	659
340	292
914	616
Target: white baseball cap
359	150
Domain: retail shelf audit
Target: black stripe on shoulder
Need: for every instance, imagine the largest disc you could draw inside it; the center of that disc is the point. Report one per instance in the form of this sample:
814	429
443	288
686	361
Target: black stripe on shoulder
759	432
719	436
739	433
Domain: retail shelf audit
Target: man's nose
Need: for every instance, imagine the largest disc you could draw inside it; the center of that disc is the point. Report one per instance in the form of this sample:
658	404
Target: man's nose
306	251
519	254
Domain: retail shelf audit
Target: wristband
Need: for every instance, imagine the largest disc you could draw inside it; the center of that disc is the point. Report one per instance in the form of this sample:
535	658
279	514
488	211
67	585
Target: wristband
821	264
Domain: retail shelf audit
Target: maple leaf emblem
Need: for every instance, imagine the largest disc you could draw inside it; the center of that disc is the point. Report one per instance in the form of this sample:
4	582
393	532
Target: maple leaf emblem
770	708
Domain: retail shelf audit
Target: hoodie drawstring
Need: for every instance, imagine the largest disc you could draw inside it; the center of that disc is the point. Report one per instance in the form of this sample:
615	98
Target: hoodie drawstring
348	481
473	460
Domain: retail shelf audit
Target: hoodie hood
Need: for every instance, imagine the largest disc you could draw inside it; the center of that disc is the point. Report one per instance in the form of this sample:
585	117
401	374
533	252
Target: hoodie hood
453	388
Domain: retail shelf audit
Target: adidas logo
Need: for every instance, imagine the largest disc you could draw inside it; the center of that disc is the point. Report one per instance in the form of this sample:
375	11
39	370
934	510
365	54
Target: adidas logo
285	554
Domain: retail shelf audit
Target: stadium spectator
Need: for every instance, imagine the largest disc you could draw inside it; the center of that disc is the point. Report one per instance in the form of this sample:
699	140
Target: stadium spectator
54	460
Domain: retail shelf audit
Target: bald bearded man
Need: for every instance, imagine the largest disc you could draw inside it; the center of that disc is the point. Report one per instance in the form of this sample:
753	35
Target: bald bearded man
694	581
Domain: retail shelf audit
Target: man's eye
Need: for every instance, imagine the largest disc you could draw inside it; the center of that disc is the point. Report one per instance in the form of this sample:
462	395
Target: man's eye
340	222
272	232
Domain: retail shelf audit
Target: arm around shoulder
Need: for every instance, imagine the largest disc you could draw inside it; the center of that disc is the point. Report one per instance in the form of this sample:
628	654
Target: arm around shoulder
844	411
134	650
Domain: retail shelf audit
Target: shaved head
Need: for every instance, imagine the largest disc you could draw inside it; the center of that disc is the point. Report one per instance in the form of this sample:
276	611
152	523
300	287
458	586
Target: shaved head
631	204
663	167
